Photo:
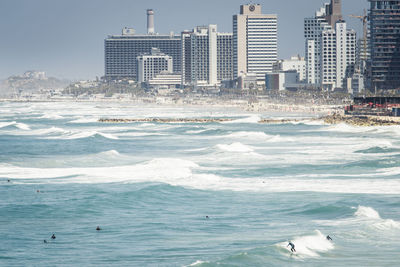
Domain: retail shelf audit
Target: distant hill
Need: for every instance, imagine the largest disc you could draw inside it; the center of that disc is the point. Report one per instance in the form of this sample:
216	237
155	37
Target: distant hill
30	82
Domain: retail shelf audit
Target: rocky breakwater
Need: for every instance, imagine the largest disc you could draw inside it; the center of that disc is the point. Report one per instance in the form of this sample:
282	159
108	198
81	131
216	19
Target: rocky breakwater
166	120
363	121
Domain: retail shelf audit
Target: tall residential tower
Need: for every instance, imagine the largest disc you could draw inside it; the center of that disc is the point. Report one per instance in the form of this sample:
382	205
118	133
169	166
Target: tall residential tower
206	56
330	47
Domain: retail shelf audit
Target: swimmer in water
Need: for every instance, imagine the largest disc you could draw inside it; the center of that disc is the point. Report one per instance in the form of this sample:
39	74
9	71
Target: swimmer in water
292	247
98	228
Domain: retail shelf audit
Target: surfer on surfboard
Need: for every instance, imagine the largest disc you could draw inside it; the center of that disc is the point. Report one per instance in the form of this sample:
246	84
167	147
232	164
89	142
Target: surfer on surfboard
292	247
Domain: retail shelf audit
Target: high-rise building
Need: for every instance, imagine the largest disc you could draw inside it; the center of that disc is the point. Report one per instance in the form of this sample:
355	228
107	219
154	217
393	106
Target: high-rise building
330	47
151	64
313	28
255	41
121	51
207	56
384	20
338	54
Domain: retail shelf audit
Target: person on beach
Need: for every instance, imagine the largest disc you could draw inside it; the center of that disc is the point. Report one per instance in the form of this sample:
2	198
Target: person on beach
292	247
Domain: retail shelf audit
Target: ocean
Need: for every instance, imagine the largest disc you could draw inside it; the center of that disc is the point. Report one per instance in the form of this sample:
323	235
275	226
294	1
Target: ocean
193	194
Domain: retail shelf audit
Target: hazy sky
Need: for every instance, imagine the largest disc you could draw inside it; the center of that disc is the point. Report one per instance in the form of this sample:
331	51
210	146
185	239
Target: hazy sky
65	38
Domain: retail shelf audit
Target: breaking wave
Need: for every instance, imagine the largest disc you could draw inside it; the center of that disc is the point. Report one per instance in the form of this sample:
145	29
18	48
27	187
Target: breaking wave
235	147
19	125
309	246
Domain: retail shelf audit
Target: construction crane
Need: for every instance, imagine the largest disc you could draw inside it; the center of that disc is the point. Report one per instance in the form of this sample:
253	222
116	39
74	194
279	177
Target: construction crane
364	20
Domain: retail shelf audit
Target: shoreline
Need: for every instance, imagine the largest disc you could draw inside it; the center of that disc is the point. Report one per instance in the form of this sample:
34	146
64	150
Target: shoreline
329	114
253	105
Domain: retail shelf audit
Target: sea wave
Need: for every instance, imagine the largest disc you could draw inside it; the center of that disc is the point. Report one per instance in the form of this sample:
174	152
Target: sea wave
84	134
179	172
308	246
251	119
235	147
51	116
374	220
19	125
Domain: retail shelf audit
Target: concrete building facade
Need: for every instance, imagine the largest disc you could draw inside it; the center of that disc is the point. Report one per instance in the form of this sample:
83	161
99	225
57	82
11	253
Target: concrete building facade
330	48
151	64
206	56
255	41
121	51
296	63
338	53
384	20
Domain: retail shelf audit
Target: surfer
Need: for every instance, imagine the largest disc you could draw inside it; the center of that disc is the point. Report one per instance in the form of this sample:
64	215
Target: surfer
329	238
291	246
98	228
45	241
207	217
8	181
53	236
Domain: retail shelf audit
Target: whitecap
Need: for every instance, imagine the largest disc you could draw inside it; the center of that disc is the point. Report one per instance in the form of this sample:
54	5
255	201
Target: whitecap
309	246
235	147
251	119
51	117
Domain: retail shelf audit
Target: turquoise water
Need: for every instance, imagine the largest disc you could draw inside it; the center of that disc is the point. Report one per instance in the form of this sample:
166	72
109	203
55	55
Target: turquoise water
150	186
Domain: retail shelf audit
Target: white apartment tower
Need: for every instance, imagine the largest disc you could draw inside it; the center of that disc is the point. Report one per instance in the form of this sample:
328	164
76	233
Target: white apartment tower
338	55
255	41
206	56
151	64
313	28
330	47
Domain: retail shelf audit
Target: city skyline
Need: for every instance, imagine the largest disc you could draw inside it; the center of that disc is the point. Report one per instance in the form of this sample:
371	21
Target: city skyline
65	39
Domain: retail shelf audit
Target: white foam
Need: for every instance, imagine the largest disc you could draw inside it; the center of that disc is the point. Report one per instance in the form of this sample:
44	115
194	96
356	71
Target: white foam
84	134
52	130
6	124
196	263
367	212
19	125
51	117
373	219
84	120
367	217
251	119
178	172
110	153
310	246
22	126
197	131
170	171
250	135
235	147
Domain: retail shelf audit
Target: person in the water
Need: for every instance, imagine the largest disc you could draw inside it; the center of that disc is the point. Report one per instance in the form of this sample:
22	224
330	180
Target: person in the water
98	228
292	247
53	236
329	238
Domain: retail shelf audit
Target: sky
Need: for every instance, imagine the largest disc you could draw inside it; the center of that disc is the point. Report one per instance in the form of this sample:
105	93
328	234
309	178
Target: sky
65	38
